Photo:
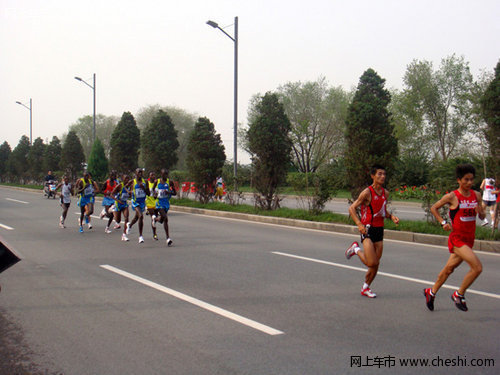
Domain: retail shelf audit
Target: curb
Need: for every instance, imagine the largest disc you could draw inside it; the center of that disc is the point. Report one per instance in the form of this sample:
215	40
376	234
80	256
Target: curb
429	239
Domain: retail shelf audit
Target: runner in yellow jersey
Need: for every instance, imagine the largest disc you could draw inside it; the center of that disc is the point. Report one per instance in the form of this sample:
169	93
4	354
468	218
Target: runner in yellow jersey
151	203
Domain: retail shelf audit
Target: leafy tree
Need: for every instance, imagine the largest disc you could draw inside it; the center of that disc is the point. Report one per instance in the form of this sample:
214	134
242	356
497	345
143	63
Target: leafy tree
439	103
5	151
369	133
18	160
183	121
270	146
98	163
490	104
52	156
84	128
206	157
72	156
125	143
36	158
317	115
159	143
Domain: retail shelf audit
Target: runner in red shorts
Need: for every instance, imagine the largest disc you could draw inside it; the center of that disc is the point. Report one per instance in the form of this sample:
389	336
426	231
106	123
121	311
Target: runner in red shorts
464	204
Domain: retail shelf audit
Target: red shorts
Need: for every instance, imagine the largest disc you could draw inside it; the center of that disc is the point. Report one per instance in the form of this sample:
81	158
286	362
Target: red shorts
459	240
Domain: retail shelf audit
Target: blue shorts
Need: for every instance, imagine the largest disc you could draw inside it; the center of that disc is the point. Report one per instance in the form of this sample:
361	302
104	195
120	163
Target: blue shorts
163	206
141	205
120	206
107	201
83	201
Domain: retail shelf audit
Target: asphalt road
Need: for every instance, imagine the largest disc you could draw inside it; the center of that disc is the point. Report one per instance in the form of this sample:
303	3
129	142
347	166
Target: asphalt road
230	297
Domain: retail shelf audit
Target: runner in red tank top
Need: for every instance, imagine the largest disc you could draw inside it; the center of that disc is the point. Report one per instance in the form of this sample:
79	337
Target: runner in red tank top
373	205
464	204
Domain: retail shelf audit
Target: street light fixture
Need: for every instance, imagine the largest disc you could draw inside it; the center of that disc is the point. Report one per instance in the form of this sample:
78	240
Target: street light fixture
30	108
93	89
215	25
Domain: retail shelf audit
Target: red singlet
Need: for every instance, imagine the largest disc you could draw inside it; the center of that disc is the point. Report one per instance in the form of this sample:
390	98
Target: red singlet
375	212
463	221
109	188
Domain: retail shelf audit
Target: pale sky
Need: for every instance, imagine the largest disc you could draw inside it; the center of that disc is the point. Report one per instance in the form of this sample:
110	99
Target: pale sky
163	52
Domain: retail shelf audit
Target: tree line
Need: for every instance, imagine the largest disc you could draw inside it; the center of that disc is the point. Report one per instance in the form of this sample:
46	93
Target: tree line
305	134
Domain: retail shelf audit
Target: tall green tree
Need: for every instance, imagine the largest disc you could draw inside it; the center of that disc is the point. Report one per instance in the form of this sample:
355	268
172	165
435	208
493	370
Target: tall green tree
52	155
490	104
317	115
5	151
84	128
369	133
206	157
184	124
98	163
72	156
159	143
18	160
36	158
270	146
438	102
125	144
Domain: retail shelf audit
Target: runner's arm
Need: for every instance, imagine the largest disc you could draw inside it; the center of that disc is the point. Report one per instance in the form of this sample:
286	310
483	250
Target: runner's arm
388	214
363	198
449	199
480	209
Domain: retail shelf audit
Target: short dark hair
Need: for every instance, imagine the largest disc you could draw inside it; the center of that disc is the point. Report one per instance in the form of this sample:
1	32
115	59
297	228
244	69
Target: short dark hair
375	167
463	169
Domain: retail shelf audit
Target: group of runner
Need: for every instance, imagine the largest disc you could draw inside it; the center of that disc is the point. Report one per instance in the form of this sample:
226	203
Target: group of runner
152	195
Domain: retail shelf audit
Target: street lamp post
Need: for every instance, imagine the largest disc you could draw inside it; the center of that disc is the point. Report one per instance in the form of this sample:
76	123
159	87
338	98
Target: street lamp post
93	89
235	127
31	118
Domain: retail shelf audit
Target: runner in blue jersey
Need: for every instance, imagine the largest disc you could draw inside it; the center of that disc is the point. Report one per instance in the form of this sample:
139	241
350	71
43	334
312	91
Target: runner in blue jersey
86	190
122	195
108	201
140	190
164	190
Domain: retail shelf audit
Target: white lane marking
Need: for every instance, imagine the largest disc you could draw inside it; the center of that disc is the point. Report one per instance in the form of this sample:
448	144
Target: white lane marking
394	276
5	227
196	302
15	200
323	231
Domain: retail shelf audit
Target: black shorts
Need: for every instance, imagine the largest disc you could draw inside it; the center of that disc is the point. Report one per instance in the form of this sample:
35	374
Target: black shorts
489	203
376	234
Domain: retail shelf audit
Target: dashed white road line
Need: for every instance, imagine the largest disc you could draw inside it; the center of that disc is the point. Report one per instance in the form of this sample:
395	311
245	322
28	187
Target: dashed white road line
204	305
15	200
394	276
6	227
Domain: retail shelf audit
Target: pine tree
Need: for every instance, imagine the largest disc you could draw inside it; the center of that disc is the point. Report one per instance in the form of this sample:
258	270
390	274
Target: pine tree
270	146
72	156
98	163
18	160
36	158
52	155
159	143
490	104
125	143
5	152
206	157
369	132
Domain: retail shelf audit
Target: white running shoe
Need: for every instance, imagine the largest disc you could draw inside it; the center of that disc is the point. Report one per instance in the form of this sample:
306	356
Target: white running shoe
107	230
127	231
90	226
153	221
141	239
102	214
117	226
169	242
367	292
351	250
124	237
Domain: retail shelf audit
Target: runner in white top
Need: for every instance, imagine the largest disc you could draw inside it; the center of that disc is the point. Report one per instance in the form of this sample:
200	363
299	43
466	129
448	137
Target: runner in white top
489	198
66	193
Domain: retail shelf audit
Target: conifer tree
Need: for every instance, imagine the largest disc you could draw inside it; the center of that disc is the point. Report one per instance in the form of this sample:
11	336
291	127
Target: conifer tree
125	143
